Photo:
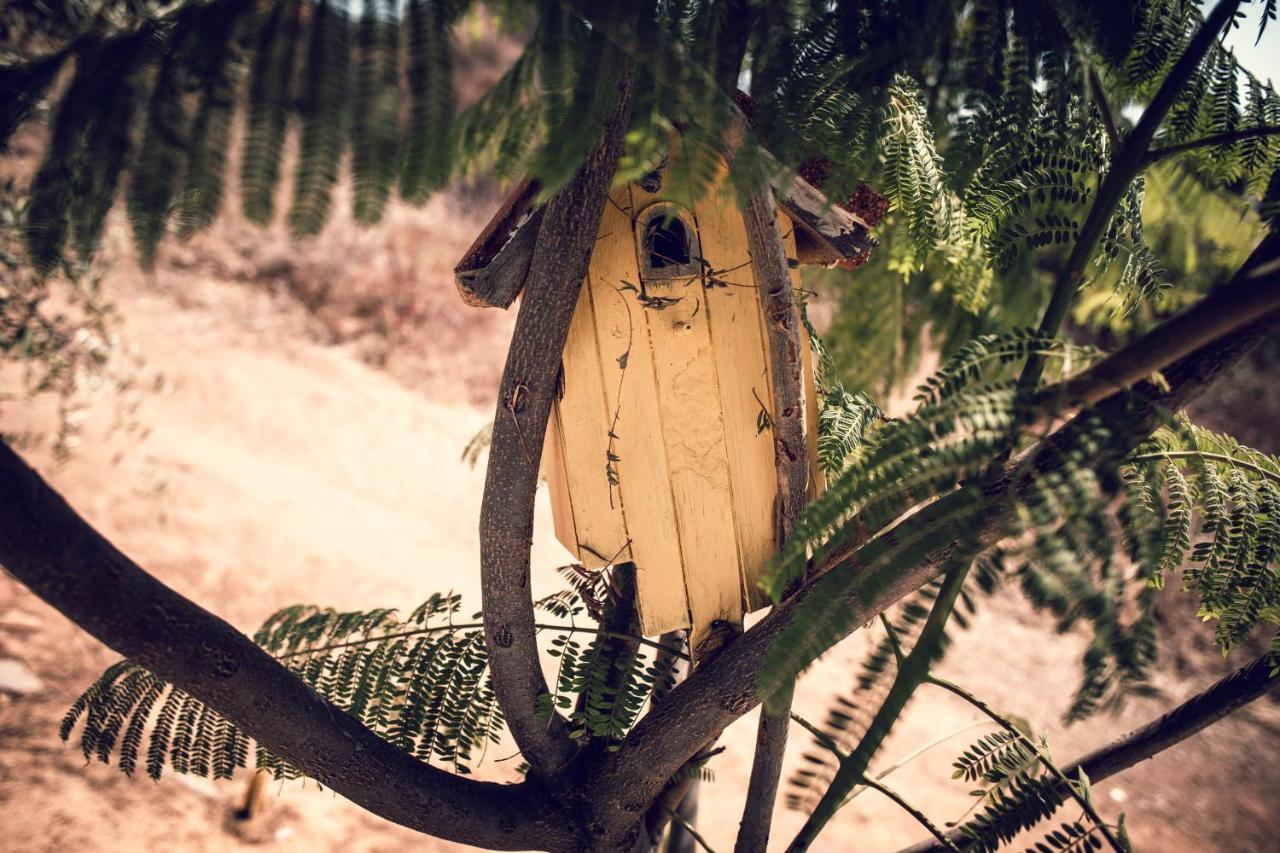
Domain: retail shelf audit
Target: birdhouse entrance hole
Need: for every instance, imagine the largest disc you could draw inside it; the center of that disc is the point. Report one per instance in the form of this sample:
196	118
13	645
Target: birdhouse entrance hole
668	243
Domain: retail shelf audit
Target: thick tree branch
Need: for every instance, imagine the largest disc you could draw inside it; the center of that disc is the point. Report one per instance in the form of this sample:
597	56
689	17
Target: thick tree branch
570	223
1250	295
1197	713
716	695
53	551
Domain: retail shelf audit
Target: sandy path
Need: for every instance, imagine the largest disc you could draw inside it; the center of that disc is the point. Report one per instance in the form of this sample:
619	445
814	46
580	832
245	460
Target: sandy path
278	470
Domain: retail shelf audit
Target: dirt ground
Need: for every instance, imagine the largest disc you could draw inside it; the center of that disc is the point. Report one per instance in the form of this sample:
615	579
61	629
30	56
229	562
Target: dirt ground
298	455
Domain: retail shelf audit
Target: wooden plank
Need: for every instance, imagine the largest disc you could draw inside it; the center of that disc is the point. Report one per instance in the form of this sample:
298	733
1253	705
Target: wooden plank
697	453
738	343
833	233
493	270
598	522
557	475
644	486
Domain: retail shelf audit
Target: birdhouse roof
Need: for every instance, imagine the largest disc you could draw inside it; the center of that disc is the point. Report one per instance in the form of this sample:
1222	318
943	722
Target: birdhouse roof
493	270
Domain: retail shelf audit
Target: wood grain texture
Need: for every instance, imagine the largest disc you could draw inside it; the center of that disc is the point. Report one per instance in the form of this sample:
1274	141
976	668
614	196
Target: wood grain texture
600	532
557	474
697	453
738	342
644	487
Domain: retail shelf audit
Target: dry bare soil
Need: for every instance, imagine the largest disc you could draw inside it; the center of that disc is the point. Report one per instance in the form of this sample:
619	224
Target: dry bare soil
305	445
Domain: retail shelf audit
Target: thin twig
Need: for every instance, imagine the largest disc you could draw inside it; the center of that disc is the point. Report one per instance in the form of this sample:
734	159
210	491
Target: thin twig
1200	454
911	810
1225	138
1035	748
1100	98
917	752
623	361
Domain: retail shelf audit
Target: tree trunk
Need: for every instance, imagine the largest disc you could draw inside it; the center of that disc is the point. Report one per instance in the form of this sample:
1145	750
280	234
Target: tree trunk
569	227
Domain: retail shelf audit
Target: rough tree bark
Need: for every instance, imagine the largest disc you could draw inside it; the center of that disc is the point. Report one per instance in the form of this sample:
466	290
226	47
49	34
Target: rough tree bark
782	330
47	546
570	224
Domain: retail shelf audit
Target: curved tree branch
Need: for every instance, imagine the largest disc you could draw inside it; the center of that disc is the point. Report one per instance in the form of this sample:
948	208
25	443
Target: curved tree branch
1202	710
48	547
569	226
791	462
715	696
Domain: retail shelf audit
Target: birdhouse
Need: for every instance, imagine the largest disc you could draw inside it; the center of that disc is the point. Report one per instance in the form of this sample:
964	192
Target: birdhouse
658	450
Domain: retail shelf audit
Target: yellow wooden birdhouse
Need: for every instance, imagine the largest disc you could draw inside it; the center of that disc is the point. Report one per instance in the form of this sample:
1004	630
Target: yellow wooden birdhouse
658	449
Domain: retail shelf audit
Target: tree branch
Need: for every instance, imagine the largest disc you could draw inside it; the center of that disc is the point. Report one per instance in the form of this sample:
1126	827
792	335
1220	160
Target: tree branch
1155	155
861	586
48	547
1233	692
1250	295
570	223
1128	163
766	771
1100	98
911	673
782	329
920	817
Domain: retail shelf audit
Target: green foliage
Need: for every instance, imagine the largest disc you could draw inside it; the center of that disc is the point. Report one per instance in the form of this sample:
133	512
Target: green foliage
1090	542
1212	509
421	683
375	125
1023	145
197	57
994	129
844	426
850	715
323	105
270	102
77	180
428	142
1020	790
605	682
913	178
